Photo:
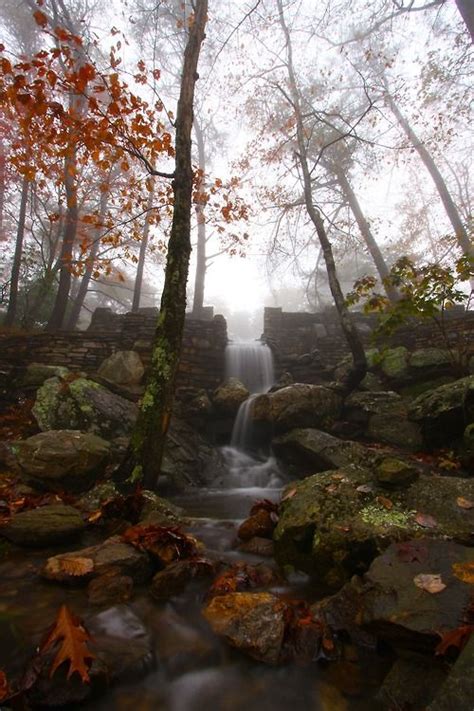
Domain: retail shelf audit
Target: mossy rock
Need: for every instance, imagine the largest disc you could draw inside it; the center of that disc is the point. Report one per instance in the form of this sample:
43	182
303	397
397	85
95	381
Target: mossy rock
44	526
333	524
394	363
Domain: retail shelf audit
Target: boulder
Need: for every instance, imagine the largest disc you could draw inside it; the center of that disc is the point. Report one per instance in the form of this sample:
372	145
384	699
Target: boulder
431	359
261	524
335	523
36	373
110	588
444	413
262	547
298	405
175	577
62	459
310	450
44	526
394	363
229	396
383	417
251	622
122	368
401	687
81	565
458	690
393	472
83	404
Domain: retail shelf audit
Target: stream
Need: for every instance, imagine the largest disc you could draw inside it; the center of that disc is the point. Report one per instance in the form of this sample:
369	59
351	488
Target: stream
189	667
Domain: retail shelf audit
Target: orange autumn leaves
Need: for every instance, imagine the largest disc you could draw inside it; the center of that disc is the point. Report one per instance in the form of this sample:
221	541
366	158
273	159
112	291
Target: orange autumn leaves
71	639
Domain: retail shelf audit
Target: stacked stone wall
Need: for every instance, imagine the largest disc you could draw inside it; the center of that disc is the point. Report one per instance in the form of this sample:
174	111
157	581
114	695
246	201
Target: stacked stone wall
203	357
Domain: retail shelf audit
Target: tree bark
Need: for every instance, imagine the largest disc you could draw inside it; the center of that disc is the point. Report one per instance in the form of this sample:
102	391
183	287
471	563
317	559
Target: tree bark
466	10
366	232
359	366
143	461
201	264
137	289
86	277
58	314
15	277
449	206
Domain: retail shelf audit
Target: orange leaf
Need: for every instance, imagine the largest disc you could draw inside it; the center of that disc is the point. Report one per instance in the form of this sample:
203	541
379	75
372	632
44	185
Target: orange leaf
457	638
464	572
386	503
69	631
40	18
464	503
425	520
4	690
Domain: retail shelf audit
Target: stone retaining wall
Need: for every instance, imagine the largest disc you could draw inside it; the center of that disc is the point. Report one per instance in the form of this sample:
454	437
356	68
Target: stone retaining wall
292	335
203	356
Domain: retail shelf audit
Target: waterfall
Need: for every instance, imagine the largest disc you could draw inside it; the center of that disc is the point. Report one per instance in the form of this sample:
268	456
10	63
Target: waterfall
252	364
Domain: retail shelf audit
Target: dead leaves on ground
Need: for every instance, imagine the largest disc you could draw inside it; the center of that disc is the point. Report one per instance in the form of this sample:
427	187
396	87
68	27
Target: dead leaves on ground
464	572
429	582
165	543
454	639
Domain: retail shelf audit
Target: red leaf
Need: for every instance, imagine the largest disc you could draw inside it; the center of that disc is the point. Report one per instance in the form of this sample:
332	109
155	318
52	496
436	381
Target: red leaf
425	520
457	639
40	18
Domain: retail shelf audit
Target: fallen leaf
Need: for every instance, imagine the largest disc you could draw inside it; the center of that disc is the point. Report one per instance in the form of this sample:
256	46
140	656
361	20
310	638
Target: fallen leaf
412	552
464	503
386	503
429	583
289	494
338	477
73	637
464	572
76	566
457	638
4	690
365	489
425	520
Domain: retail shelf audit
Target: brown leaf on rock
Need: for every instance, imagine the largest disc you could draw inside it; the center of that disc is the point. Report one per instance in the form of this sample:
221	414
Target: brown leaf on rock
289	494
264	504
464	572
386	503
167	543
412	552
429	583
464	503
76	566
425	520
72	637
456	639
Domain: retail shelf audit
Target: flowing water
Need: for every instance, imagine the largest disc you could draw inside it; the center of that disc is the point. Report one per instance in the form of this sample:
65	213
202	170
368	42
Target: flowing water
189	668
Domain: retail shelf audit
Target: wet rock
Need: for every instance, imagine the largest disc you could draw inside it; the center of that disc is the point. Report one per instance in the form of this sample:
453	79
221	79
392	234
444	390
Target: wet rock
401	687
430	358
383	417
298	405
194	403
62	459
182	648
258	546
333	524
312	450
122	368
160	511
122	643
393	606
110	588
44	526
174	579
36	373
83	404
444	413
93	499
394	472
81	565
251	622
458	690
229	396
243	576
261	523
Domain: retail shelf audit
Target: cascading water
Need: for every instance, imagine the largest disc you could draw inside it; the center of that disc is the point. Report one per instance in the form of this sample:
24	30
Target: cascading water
252	364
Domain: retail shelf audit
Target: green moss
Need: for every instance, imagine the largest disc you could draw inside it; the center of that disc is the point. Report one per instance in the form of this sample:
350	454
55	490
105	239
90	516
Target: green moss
147	400
385	518
136	475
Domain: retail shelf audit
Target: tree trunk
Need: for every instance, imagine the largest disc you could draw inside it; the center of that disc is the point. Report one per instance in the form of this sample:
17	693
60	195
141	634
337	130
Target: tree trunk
201	264
359	367
90	261
366	232
466	9
15	277
143	461
56	319
137	290
449	206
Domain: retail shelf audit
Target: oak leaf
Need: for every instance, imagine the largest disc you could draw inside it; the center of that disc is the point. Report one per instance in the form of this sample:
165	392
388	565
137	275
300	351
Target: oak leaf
72	637
457	638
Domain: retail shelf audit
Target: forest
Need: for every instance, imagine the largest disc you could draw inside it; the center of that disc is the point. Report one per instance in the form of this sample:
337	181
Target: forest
236	355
